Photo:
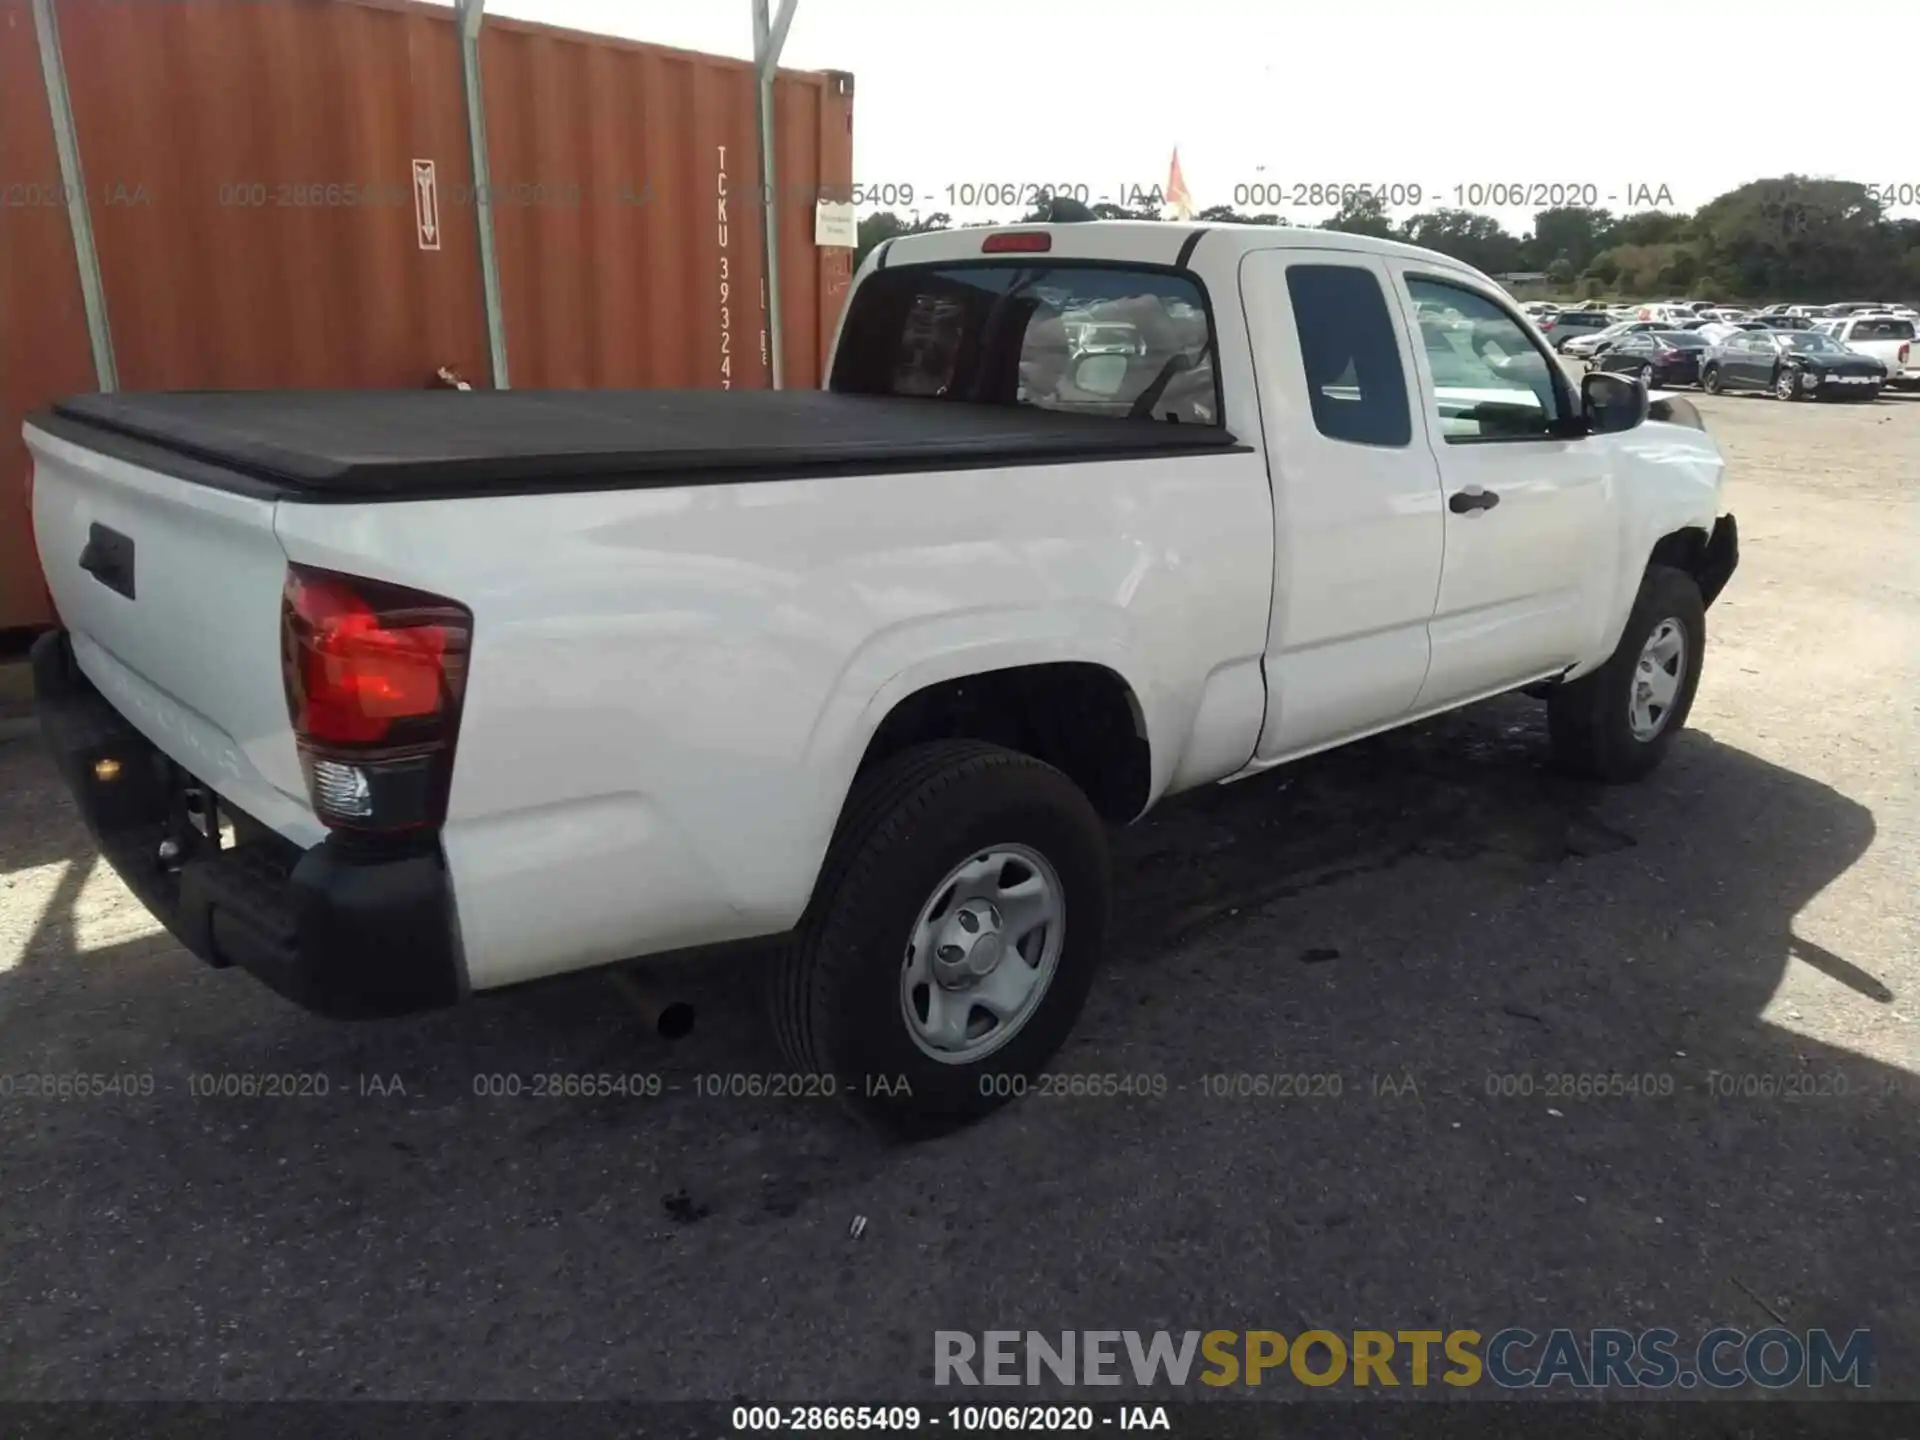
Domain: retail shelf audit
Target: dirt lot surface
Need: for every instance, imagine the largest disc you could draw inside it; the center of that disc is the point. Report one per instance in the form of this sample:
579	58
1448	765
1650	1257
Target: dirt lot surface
1431	917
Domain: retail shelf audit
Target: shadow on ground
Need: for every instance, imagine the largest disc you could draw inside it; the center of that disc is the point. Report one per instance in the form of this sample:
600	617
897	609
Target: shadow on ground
1430	917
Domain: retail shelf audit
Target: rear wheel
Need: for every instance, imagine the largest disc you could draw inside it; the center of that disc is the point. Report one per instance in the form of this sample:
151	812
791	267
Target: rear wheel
952	939
1616	723
1710	380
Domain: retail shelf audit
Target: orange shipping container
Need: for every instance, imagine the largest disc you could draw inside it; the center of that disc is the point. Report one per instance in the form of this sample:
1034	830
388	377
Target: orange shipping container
281	196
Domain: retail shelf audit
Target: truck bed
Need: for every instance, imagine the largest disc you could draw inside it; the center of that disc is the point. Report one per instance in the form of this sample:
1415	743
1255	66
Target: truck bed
358	446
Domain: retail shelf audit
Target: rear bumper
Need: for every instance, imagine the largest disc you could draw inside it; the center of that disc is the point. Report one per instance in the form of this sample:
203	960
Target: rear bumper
1721	559
344	931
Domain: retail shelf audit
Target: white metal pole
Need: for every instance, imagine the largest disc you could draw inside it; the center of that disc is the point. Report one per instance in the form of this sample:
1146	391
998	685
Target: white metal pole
471	13
66	143
768	40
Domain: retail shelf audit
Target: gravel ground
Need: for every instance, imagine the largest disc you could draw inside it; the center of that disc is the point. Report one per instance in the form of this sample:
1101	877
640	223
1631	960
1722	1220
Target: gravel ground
1430	916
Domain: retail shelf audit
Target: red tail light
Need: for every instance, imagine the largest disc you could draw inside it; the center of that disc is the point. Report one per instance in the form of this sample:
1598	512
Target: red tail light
1003	241
374	676
1547	324
1904	351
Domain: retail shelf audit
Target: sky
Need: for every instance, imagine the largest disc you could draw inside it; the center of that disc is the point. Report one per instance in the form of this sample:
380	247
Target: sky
1614	102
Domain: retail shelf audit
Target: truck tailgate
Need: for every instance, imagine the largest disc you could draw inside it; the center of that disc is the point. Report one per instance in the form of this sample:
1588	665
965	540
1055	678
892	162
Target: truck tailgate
171	593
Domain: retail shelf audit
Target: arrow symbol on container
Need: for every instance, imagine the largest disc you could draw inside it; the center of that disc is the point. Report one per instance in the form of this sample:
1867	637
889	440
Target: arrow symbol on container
426	204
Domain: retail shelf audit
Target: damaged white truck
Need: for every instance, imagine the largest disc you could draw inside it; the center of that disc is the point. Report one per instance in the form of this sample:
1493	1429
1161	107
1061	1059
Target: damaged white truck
390	698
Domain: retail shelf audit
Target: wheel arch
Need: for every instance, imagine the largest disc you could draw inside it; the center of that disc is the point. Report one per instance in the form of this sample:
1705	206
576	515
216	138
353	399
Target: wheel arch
1082	717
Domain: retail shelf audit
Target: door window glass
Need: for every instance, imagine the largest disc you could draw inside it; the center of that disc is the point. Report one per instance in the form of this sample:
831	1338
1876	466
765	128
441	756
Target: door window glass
1491	382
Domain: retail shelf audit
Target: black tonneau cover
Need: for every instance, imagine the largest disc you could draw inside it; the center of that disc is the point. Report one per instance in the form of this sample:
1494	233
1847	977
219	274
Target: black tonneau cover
420	444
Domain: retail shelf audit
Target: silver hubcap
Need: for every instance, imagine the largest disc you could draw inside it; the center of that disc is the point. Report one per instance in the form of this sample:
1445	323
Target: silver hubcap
1783	387
982	953
1656	679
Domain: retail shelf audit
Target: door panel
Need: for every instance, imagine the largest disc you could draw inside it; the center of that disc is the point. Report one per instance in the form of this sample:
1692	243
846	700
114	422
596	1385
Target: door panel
1357	502
1733	365
1522	580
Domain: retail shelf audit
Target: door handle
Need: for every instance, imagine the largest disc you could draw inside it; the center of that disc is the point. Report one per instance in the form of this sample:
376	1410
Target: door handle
1465	502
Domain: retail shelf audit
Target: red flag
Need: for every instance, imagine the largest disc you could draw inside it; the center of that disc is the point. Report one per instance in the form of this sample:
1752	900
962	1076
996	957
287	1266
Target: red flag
1178	200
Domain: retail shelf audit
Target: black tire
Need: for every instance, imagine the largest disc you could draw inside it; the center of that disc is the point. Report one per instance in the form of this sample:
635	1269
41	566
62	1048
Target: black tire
1588	719
1710	380
835	990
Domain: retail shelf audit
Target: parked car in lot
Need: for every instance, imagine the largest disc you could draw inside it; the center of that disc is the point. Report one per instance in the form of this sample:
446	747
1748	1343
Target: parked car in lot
1890	339
864	672
1585	347
1572	325
1657	358
1714	331
1791	365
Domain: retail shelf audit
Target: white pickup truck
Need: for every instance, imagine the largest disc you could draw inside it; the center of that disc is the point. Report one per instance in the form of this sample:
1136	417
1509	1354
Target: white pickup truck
1887	338
393	697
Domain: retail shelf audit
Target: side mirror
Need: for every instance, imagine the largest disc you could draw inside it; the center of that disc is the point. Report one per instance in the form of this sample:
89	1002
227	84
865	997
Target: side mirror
1611	403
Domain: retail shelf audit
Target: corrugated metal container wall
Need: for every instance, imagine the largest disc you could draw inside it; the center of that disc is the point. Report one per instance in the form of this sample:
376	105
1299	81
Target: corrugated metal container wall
627	208
813	128
250	166
211	133
43	325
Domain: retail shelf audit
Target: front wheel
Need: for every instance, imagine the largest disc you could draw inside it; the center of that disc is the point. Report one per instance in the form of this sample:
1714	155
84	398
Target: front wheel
1785	386
1616	723
952	938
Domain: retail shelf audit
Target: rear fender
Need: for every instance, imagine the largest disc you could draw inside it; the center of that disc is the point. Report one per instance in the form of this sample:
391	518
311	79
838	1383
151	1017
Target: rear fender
910	657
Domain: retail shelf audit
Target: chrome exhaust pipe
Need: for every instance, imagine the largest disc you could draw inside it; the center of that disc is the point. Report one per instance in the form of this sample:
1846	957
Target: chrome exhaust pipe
665	1016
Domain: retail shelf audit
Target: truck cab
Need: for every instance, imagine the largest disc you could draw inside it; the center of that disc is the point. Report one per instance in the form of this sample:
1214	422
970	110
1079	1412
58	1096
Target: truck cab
1444	524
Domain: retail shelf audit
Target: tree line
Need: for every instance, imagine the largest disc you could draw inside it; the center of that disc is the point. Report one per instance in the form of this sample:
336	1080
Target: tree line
1790	238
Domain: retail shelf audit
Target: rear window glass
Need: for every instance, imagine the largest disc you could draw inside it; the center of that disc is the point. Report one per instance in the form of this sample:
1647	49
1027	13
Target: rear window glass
1882	330
1685	339
1120	341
